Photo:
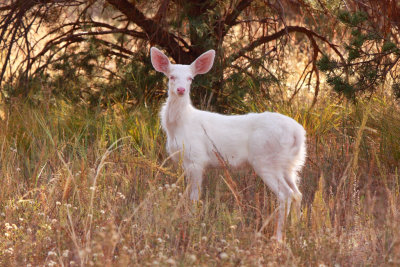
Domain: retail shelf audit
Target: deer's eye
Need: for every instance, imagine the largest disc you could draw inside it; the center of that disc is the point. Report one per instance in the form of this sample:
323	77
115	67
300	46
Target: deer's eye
172	78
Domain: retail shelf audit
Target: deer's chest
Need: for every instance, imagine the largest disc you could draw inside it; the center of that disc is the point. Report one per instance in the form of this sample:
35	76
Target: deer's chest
175	142
185	141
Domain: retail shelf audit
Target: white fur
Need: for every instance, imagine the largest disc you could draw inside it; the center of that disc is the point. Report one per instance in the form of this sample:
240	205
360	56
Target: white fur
273	144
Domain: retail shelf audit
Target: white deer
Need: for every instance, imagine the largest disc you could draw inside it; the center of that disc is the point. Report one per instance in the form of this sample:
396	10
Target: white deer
273	144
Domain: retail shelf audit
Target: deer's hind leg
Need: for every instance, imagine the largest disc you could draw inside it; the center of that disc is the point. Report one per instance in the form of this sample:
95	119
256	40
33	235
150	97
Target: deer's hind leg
274	178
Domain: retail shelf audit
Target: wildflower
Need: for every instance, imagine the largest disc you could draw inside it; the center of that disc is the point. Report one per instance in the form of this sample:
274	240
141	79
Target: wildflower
203	225
65	253
173	186
121	195
102	211
68	205
54	221
155	263
3	214
51	253
8	226
21	219
223	256
7	234
47	227
9	251
171	261
159	240
192	258
204	238
58	203
233	227
92	188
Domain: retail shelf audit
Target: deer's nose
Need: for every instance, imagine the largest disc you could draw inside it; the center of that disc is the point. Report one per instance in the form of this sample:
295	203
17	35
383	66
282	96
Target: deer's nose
180	90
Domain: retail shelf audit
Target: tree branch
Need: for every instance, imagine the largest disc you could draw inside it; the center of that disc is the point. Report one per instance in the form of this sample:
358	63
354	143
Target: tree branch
155	33
278	34
230	19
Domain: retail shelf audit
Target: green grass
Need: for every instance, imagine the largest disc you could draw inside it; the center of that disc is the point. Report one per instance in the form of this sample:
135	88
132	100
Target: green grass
96	188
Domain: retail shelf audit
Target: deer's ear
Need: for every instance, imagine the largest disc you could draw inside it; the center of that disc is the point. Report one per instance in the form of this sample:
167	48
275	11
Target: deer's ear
159	60
203	63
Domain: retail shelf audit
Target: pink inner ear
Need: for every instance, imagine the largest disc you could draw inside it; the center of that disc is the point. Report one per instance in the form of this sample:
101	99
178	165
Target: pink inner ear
204	63
160	61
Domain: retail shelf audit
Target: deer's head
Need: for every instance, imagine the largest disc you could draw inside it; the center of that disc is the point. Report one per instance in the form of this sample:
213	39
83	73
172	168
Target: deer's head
181	76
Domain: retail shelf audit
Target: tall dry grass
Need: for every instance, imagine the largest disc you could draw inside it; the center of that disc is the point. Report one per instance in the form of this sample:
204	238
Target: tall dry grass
96	188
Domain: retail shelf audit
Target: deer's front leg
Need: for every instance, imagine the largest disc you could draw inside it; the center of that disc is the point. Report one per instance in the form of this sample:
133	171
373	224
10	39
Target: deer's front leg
194	178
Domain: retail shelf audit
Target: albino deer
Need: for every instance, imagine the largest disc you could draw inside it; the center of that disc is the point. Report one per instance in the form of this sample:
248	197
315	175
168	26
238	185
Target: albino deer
273	144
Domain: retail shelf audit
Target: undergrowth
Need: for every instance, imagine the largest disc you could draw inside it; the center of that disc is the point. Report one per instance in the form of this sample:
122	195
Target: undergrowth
86	187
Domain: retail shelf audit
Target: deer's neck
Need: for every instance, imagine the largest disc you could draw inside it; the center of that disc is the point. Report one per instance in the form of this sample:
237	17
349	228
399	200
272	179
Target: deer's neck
174	111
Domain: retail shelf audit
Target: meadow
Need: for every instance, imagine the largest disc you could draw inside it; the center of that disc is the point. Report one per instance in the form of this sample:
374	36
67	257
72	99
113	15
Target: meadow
95	187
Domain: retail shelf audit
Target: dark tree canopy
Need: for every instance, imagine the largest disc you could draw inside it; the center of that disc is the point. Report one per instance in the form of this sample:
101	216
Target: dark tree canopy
99	50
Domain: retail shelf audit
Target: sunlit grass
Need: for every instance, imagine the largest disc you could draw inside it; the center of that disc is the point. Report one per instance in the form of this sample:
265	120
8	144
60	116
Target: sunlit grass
82	187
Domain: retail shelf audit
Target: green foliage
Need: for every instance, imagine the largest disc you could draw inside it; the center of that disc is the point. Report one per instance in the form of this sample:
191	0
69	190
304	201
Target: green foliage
389	47
29	88
352	19
341	86
79	78
361	70
326	64
135	81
